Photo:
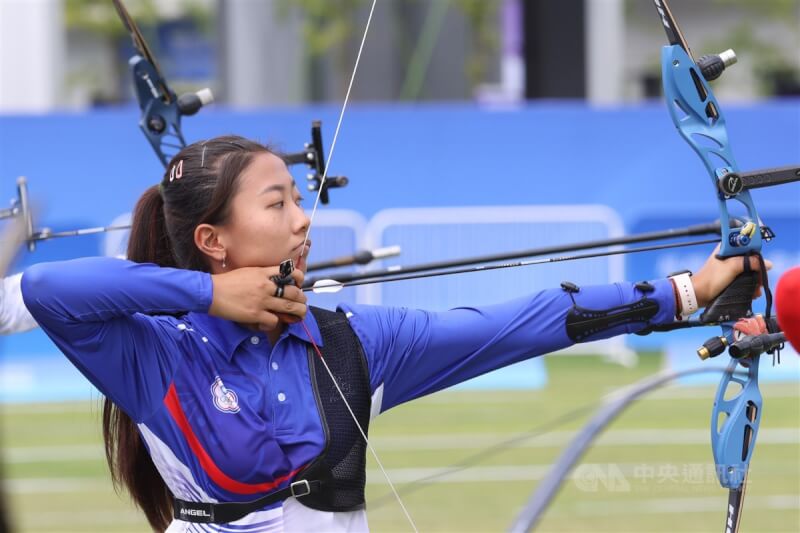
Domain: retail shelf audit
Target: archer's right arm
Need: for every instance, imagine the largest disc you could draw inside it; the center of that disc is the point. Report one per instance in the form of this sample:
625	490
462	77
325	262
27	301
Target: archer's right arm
107	316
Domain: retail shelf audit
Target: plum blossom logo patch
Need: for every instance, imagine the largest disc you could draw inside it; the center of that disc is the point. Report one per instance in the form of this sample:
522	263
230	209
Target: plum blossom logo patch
225	399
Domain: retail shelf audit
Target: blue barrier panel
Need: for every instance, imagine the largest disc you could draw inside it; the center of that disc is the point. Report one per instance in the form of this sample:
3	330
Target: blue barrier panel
336	233
85	169
45	377
436	234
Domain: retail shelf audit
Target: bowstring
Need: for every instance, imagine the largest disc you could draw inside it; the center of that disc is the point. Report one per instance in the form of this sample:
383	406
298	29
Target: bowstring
360	429
302	251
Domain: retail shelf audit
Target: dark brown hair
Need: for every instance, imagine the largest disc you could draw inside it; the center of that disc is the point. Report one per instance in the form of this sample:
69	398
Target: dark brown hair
197	188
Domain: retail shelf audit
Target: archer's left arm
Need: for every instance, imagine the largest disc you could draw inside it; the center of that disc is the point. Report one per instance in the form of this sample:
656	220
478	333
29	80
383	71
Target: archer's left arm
412	353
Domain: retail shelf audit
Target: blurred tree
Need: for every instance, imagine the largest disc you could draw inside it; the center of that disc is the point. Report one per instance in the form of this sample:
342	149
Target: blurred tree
329	27
776	73
97	22
100	17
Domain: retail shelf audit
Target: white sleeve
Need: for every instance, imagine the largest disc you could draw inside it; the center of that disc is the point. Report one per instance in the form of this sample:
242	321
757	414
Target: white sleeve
14	316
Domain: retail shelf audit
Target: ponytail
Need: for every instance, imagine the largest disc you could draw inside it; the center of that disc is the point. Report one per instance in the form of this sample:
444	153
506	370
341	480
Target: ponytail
130	464
149	241
132	468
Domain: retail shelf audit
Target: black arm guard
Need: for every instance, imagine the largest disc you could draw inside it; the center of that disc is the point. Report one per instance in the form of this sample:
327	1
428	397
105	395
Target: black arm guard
583	323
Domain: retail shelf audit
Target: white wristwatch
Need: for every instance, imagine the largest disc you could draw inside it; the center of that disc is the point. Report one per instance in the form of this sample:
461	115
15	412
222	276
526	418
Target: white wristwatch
685	288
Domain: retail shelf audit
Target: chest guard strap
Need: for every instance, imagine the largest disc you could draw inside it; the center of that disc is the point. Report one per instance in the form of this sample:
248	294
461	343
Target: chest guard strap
341	467
223	513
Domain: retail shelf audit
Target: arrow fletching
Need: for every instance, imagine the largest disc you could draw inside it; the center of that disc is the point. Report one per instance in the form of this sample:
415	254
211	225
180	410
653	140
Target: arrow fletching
327	286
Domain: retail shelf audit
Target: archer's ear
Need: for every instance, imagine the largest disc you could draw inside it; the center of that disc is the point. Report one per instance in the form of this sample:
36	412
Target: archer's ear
207	239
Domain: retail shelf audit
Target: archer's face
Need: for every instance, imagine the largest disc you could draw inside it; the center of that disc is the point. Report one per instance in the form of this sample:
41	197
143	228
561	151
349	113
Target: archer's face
266	224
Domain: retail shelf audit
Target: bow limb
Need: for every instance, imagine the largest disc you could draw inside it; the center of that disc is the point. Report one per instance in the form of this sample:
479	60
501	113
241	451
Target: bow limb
161	108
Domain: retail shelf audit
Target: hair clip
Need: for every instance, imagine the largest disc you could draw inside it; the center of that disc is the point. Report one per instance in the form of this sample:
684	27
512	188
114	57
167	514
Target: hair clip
176	172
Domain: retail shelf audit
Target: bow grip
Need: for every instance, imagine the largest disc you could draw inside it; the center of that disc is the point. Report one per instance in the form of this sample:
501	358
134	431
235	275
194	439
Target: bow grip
735	302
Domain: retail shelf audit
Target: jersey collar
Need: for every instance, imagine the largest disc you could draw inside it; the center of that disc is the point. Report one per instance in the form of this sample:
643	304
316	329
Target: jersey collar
227	336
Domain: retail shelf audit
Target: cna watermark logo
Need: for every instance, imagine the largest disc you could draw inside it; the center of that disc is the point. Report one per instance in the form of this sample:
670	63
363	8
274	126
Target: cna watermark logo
613	477
596	477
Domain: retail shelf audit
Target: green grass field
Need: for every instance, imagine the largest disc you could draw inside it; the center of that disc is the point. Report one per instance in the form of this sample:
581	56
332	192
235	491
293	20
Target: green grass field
656	461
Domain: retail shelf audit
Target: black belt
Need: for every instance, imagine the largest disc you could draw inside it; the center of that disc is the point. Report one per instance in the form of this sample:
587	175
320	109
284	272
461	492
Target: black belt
222	513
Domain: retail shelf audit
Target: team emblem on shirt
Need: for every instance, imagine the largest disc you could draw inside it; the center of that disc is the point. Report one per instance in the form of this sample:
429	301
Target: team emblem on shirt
225	399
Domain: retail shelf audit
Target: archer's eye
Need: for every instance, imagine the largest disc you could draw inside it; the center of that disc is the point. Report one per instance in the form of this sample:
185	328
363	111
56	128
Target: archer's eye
277	205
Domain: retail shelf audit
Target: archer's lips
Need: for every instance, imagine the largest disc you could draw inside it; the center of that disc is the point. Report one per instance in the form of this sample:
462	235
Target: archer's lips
301	250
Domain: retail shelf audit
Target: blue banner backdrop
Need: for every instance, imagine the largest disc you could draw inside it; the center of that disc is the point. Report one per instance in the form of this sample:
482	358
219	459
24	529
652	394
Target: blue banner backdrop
85	169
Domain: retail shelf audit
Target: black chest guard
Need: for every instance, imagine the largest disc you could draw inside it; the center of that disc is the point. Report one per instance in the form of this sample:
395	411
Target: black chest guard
335	479
341	467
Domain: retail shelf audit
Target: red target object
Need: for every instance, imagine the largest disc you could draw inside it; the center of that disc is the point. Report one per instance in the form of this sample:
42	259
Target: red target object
787	304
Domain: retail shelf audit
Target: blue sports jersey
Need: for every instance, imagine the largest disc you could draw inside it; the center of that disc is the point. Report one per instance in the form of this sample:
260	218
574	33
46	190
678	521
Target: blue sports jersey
227	416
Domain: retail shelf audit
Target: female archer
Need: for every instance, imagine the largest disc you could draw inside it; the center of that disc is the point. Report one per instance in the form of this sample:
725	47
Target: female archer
225	396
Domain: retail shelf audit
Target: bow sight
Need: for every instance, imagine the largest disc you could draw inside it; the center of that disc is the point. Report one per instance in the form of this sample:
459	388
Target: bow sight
314	156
